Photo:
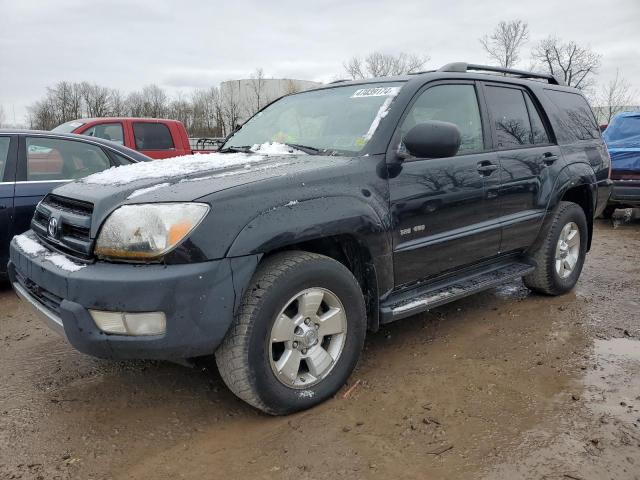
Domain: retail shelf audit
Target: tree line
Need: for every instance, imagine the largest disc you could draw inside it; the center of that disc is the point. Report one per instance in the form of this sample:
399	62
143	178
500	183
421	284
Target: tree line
216	111
211	112
203	112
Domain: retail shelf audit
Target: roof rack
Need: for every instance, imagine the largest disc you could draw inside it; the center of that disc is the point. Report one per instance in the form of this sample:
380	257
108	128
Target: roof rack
340	81
464	67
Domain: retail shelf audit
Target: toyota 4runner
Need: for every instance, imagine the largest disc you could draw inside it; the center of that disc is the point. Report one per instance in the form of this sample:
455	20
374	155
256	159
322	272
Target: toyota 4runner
329	213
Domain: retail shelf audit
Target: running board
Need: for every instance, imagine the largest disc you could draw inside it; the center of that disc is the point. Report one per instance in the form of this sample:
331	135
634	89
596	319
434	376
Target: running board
424	298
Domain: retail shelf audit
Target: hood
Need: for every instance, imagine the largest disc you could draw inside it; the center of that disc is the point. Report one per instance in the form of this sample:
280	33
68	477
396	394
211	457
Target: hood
188	178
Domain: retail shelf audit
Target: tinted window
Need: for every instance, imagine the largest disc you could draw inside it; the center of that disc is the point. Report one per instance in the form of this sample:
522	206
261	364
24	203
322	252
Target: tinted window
4	153
152	136
56	159
538	131
509	116
108	131
450	103
576	118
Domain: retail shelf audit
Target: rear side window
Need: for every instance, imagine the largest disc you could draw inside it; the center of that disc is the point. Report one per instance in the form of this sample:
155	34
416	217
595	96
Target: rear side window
56	159
152	136
4	154
510	117
456	104
539	133
108	131
576	119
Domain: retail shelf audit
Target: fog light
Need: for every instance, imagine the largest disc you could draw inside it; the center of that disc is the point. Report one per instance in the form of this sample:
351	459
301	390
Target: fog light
125	323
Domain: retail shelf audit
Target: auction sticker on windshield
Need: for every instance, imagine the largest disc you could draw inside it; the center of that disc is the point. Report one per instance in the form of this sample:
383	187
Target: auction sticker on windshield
376	92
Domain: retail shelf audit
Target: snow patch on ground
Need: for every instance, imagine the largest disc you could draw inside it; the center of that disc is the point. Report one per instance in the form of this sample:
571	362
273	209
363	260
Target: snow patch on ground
142	191
291	203
32	248
186	165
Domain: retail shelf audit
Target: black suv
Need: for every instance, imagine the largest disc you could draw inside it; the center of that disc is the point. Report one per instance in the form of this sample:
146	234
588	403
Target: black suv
329	213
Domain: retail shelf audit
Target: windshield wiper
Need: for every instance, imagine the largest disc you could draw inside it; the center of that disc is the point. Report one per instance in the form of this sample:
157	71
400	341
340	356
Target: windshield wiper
305	148
243	149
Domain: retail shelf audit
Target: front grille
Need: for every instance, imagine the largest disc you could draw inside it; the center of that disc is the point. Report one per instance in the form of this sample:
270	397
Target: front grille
73	233
44	296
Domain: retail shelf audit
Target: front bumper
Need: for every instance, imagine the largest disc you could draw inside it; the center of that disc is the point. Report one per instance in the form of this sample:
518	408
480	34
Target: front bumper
198	300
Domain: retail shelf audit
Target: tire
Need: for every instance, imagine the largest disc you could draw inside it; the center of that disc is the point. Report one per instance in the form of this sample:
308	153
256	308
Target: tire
546	278
607	213
248	360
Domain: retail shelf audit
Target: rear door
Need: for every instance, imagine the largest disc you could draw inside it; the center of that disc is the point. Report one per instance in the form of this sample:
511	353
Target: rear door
529	160
46	162
8	152
154	139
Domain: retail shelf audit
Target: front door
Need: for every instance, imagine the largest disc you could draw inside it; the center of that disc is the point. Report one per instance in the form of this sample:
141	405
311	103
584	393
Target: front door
8	148
444	210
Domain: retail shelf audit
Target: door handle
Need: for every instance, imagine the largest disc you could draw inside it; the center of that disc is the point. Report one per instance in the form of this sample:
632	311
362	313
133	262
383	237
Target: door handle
486	167
549	158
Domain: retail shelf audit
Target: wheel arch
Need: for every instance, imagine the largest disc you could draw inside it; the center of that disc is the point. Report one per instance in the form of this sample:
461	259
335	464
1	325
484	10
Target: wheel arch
345	229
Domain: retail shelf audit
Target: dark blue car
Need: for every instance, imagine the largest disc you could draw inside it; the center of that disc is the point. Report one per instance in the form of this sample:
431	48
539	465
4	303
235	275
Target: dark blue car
623	142
32	163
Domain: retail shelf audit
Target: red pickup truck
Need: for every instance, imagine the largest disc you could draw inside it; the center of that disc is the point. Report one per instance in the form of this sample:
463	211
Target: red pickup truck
154	137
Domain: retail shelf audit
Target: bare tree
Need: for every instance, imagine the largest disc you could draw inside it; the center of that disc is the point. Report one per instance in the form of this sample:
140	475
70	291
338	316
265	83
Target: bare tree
230	106
378	64
117	103
257	91
613	98
506	41
96	99
572	63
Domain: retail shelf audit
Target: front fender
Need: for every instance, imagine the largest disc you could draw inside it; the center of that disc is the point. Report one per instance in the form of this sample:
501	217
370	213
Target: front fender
297	222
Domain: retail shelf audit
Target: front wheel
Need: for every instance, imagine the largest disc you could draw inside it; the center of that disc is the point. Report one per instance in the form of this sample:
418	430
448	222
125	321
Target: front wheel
296	336
561	255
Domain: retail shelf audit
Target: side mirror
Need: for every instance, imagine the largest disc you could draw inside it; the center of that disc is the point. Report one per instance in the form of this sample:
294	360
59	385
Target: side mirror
433	139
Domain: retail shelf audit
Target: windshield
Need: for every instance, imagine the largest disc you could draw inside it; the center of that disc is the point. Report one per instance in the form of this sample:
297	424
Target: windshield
68	127
333	120
624	131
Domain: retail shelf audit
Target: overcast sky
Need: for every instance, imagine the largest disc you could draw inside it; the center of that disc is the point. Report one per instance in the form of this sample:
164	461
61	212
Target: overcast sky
181	45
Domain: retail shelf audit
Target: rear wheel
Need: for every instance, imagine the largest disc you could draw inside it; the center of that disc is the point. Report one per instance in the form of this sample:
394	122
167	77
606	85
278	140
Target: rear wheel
296	336
561	255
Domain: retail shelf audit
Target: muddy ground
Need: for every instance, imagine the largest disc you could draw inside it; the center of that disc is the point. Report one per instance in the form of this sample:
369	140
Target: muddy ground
501	385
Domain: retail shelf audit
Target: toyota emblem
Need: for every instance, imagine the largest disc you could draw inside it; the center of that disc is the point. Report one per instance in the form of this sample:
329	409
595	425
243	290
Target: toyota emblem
53	226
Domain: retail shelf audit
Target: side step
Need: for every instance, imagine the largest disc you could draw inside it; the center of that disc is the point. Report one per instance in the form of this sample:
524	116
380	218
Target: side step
424	298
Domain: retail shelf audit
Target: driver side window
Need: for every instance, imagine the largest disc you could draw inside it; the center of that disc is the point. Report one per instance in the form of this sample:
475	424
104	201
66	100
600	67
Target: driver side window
457	104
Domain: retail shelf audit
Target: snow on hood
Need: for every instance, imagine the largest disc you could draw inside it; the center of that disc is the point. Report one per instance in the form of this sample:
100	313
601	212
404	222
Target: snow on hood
186	165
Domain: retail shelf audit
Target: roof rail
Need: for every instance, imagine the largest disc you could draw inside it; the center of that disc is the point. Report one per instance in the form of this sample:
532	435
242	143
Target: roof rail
340	81
464	67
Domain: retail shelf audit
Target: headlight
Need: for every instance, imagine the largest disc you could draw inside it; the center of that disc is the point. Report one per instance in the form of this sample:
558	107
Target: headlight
147	231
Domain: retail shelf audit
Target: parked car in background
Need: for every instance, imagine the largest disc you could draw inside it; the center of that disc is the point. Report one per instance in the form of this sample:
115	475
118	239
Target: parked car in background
331	212
623	141
154	137
32	163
